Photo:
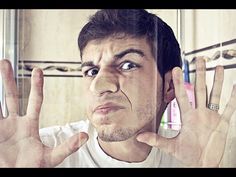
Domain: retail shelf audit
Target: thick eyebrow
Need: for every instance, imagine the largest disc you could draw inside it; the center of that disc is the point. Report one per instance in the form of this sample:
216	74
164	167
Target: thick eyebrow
125	52
88	63
116	56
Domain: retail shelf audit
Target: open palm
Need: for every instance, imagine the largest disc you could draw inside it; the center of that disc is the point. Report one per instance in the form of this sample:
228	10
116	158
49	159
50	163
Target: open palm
202	138
20	143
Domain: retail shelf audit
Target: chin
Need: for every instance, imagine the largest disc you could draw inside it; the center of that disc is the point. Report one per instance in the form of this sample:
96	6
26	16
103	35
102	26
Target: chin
118	134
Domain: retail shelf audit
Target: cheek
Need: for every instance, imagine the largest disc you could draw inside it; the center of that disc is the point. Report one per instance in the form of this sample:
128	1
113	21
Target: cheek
144	94
140	88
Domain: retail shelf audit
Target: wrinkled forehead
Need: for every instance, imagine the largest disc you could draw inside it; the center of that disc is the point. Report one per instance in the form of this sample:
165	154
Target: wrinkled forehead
114	44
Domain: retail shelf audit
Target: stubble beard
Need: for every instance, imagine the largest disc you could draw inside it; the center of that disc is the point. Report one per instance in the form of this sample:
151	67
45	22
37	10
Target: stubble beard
145	115
119	134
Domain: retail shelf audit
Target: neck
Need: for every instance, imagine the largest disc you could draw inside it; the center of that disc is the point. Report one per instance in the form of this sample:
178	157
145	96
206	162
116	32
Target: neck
129	150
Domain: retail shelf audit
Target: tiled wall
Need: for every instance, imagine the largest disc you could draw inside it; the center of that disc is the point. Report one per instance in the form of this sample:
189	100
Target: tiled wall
48	39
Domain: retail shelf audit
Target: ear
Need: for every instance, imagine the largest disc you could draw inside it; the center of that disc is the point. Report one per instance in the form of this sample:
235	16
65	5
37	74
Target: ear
169	90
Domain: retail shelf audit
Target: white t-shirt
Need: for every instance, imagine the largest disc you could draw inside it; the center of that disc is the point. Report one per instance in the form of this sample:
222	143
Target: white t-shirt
91	154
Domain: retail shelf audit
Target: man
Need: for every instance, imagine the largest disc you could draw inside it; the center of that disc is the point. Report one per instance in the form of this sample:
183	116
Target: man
131	66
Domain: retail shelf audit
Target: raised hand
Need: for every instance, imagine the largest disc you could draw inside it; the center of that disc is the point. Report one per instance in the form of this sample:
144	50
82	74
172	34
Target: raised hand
20	144
202	138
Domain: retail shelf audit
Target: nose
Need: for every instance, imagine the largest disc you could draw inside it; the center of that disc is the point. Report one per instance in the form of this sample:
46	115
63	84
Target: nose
104	82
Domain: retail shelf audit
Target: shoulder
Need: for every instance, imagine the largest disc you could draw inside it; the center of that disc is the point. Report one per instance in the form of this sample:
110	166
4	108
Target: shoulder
54	135
167	160
168	133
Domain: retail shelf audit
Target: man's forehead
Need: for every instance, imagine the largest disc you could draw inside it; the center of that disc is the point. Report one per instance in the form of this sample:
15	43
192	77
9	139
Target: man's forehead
113	45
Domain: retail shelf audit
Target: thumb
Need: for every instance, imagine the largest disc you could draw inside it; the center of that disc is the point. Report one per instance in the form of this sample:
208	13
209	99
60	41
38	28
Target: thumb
68	147
153	139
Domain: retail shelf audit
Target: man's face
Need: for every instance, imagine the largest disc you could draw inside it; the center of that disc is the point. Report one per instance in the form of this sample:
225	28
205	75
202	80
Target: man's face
123	86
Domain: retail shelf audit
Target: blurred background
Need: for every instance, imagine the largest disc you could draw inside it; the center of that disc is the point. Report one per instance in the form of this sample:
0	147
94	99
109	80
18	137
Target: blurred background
48	39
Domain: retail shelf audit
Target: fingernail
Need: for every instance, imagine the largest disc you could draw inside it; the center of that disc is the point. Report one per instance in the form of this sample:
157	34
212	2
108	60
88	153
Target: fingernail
140	138
38	72
84	140
83	137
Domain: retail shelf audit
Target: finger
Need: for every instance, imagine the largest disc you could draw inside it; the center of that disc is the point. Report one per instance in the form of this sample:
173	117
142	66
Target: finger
180	92
231	106
67	148
9	83
217	86
153	139
1	115
200	84
36	94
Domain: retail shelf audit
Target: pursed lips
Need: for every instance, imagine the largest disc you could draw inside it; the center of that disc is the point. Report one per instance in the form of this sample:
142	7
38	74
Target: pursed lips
107	108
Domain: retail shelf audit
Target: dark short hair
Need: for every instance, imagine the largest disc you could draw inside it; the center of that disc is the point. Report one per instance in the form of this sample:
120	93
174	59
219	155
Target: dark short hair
135	23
